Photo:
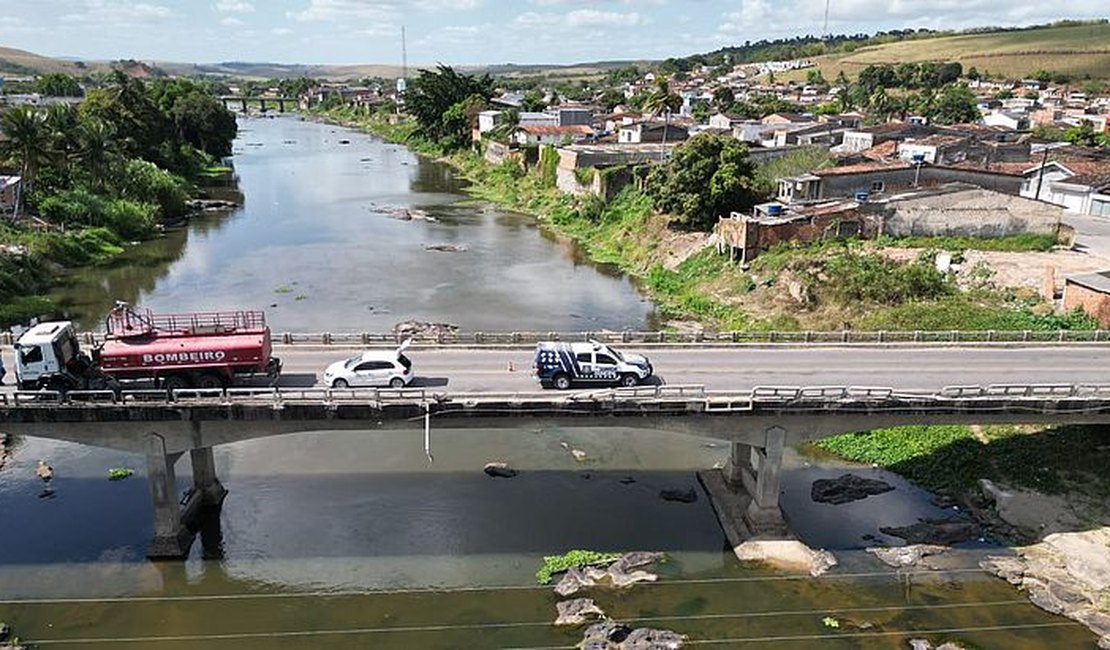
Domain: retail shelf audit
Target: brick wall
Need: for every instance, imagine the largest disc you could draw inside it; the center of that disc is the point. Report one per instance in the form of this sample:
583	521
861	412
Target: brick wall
1095	303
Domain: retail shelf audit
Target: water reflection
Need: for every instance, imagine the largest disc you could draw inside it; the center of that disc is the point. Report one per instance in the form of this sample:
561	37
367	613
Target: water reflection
315	245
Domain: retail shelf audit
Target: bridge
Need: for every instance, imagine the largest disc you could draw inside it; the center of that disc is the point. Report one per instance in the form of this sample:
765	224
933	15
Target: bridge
243	100
758	400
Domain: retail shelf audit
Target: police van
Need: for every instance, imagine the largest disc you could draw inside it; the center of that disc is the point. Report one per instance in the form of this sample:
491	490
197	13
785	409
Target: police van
562	365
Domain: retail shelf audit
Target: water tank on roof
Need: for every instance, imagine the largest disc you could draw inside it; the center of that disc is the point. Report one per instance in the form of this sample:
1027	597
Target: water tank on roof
774	209
861	197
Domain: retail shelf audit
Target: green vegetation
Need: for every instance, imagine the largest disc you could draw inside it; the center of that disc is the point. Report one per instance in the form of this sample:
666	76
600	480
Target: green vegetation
1010	243
445	104
113	170
951	459
120	473
553	564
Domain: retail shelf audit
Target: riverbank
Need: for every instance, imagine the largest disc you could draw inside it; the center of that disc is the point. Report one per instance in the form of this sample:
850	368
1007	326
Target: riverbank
837	285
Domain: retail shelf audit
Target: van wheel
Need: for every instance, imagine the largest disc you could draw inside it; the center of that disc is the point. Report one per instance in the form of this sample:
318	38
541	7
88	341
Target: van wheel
209	381
175	382
396	382
560	381
629	380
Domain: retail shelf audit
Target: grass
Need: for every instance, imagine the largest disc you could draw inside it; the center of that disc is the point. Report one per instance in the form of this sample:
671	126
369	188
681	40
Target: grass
1078	50
951	459
1011	243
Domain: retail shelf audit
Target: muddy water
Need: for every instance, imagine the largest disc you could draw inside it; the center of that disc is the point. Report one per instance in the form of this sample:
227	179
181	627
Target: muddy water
355	540
315	245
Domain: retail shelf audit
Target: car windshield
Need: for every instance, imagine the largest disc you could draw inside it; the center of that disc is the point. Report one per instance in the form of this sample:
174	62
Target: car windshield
352	362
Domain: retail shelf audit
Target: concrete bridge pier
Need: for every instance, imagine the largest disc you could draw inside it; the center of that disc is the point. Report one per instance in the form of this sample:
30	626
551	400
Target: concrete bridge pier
745	493
758	472
175	521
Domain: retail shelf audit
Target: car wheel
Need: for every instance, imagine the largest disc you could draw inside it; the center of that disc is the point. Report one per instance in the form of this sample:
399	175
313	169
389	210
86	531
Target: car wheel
562	382
396	382
629	380
340	384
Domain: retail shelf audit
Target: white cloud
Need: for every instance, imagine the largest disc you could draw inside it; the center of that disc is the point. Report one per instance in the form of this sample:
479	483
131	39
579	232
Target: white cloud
595	18
281	31
231	22
334	10
234	6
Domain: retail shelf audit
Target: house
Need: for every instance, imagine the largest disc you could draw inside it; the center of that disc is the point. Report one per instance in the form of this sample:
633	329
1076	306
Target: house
777	119
1080	186
1091	293
858	140
580	166
488	121
744	236
827	135
724	121
573	116
538	119
868	179
641	132
552	135
10	189
931	149
1007	119
794	189
750	131
613	122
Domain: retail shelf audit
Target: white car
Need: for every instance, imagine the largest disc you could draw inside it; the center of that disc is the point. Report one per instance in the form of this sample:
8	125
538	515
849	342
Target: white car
372	368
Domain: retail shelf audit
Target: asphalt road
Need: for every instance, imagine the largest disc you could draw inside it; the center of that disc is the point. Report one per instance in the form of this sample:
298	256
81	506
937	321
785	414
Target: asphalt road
477	370
745	368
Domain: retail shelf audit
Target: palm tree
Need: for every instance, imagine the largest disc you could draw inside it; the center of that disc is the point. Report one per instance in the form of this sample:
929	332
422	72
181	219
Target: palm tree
26	143
95	148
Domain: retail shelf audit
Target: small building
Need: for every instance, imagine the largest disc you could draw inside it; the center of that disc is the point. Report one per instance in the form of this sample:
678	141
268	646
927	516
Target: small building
643	132
552	135
10	188
488	121
1007	119
744	236
1091	293
961	209
1080	186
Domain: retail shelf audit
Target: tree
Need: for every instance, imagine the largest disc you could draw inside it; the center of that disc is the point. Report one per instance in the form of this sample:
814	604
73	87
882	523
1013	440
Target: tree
57	84
661	99
26	141
1083	135
707	176
957	105
723	98
533	101
204	122
435	92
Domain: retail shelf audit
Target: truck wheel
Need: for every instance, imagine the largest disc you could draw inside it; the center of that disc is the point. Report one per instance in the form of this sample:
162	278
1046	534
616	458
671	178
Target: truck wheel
175	382
561	381
340	384
209	381
629	380
396	382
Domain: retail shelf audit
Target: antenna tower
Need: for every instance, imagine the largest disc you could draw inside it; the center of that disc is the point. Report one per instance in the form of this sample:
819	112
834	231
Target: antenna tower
405	55
826	32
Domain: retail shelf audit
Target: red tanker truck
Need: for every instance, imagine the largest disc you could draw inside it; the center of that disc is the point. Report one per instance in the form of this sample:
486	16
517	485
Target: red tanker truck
201	350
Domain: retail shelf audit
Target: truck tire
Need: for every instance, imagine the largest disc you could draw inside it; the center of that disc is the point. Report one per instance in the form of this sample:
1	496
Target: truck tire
175	382
396	382
209	381
341	384
561	381
629	380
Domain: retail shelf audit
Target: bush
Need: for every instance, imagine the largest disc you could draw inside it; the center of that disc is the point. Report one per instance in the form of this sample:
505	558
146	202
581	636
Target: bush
131	219
76	207
81	247
145	182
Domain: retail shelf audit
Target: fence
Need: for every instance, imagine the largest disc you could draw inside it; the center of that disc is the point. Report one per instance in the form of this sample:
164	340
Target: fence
842	337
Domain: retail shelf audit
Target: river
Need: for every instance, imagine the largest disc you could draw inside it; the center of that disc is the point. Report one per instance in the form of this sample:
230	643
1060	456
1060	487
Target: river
315	245
357	540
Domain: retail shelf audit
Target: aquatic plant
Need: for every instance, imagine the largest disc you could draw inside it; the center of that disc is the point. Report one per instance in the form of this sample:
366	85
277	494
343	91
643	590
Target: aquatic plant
553	564
120	473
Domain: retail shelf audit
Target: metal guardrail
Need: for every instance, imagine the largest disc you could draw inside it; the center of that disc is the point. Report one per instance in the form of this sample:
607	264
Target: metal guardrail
714	400
662	337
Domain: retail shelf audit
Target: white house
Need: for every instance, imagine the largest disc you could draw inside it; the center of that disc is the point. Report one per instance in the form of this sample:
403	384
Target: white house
553	135
1081	186
1007	119
488	121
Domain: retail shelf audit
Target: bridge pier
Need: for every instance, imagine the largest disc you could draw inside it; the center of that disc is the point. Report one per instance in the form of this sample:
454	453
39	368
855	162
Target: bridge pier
175	521
745	493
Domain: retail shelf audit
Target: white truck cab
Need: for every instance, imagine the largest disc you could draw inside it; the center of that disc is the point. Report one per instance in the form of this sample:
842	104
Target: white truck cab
44	350
562	365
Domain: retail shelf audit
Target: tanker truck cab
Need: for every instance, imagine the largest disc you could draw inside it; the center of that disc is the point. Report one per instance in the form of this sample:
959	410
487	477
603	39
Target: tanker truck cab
45	351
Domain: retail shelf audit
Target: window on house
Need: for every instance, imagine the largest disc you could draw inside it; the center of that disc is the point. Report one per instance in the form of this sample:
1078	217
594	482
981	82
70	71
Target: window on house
877	186
1100	208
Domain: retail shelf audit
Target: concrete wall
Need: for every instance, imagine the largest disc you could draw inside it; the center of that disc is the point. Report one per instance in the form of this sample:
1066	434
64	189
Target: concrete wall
975	213
896	180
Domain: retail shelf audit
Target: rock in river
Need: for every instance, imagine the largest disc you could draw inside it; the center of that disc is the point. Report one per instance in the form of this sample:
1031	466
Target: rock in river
846	489
422	330
499	470
577	612
944	532
688	495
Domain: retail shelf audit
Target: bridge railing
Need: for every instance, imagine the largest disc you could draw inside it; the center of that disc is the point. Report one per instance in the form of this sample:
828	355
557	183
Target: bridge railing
658	337
666	393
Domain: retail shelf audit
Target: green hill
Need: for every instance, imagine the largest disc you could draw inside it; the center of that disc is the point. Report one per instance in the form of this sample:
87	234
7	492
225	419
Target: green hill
1078	50
20	62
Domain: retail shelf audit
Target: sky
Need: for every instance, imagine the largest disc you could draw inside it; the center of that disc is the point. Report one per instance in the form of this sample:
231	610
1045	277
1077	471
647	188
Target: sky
462	32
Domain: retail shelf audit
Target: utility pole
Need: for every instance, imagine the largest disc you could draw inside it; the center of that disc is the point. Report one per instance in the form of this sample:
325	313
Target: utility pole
826	34
1040	174
402	83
